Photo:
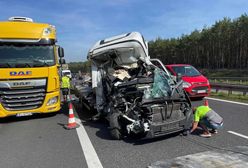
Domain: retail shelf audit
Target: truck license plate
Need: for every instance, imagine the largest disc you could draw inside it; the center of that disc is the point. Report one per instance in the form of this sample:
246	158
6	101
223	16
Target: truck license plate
23	114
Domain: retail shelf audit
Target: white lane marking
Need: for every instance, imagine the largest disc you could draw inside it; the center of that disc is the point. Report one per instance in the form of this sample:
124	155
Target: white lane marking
228	101
87	147
238	134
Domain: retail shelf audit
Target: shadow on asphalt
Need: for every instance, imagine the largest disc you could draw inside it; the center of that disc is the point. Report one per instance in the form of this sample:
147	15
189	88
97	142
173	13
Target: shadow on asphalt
196	98
10	119
101	125
143	141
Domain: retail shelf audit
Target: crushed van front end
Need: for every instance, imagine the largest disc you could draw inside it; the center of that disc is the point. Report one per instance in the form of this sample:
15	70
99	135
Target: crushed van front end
137	98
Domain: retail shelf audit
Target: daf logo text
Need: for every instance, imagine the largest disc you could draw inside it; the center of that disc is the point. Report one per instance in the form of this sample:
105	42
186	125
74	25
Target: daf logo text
21	83
20	73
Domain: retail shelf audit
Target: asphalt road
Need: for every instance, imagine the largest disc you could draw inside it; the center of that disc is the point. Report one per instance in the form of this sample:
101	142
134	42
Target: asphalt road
42	142
39	142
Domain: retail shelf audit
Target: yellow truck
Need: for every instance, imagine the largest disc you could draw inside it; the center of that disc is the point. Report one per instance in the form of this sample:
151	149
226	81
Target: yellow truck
29	68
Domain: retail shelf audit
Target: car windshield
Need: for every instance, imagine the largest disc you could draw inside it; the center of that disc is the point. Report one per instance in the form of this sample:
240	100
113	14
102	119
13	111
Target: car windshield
26	56
186	70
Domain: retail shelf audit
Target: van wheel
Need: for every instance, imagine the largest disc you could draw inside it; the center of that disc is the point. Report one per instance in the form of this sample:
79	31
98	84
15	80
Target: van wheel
185	132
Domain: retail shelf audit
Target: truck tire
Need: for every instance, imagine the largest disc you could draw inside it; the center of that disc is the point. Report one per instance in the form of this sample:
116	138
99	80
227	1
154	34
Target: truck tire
115	134
115	126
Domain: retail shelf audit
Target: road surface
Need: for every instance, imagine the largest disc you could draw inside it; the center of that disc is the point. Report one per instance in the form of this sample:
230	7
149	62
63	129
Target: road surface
42	142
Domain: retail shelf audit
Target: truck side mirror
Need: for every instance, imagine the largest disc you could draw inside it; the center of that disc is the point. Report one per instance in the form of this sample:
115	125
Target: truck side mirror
62	61
61	52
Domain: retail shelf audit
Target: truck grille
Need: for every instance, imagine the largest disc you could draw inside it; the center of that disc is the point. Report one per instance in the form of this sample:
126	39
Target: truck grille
22	94
22	99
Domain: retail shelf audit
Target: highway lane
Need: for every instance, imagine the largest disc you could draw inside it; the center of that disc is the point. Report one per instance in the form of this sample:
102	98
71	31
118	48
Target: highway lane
42	142
39	142
133	153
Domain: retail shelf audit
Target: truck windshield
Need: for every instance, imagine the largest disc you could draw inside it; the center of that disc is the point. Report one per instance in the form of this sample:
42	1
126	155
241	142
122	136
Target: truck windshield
186	71
26	56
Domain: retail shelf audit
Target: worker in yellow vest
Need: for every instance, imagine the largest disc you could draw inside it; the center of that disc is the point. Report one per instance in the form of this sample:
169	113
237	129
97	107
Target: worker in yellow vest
65	85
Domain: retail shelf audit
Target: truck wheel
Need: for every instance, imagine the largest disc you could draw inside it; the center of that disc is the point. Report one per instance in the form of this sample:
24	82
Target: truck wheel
185	132
115	133
115	126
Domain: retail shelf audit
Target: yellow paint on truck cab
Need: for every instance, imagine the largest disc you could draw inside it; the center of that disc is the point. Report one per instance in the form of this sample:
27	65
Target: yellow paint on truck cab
25	30
29	80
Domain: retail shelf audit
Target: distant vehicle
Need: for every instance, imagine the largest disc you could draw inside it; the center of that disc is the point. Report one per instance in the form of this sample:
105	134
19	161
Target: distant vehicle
66	72
195	84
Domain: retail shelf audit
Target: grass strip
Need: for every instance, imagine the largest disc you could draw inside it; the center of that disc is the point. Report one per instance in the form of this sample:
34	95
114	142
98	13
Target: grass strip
234	97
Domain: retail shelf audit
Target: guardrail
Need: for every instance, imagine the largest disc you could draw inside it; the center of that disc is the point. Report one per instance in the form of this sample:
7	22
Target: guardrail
229	88
229	80
217	86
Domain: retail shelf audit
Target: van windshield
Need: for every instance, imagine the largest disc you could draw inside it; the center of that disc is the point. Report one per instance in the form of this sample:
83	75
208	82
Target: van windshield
18	56
186	70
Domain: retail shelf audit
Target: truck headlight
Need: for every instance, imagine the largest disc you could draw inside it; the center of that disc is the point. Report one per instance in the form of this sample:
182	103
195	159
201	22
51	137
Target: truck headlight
186	84
52	101
47	31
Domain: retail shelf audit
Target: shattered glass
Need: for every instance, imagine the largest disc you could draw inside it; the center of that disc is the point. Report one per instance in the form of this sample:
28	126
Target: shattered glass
161	86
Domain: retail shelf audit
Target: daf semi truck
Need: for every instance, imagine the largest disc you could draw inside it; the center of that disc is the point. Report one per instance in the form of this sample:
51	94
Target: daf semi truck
29	68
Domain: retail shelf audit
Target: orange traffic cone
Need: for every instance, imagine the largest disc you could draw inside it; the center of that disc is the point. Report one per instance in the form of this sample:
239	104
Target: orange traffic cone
205	102
71	121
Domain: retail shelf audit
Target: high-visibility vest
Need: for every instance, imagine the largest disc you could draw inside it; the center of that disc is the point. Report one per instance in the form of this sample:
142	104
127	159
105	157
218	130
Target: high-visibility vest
65	82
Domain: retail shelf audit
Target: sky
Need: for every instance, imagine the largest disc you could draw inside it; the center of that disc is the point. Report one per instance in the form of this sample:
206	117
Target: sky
81	23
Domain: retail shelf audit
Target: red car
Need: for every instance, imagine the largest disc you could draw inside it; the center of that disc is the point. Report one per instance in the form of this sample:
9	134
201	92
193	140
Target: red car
195	84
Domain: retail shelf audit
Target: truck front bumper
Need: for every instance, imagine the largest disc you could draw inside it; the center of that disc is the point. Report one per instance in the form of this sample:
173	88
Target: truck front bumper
44	108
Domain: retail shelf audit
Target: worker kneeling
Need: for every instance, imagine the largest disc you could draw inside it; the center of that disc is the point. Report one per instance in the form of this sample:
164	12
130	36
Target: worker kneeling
65	87
206	118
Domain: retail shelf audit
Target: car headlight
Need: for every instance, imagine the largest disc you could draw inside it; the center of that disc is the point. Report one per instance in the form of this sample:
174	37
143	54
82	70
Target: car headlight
186	84
208	82
52	101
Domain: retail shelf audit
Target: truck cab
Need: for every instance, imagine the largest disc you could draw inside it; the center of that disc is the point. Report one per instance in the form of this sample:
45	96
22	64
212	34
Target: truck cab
29	67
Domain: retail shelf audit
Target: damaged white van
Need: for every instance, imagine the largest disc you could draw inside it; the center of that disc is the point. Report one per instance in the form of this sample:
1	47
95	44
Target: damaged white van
136	97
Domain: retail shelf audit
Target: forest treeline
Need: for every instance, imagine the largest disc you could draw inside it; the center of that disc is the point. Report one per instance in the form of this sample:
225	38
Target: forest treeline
223	45
75	67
